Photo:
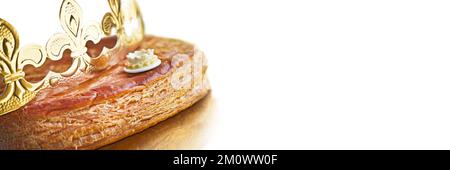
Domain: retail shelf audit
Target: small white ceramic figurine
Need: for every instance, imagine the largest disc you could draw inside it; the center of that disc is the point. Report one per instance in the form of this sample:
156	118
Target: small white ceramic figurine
142	61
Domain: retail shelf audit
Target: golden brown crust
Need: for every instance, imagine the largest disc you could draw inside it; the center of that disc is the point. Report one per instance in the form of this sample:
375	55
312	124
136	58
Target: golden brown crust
94	125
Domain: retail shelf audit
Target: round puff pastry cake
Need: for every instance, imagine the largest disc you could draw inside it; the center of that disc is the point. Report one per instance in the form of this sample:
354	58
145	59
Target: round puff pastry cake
103	107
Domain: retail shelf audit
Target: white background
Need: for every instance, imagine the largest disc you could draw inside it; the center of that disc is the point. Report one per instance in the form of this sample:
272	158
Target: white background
290	74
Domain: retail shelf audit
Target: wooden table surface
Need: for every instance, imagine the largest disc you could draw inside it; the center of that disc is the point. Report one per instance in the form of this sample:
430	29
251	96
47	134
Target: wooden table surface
186	130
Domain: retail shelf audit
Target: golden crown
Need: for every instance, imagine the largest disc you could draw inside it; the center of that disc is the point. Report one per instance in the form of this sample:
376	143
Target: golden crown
18	91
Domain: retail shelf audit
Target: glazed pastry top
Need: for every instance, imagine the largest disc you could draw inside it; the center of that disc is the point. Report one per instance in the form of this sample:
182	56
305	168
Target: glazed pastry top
107	84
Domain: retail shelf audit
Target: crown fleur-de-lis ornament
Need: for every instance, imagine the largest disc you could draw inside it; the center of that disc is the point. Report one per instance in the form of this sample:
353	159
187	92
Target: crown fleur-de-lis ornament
75	37
17	91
